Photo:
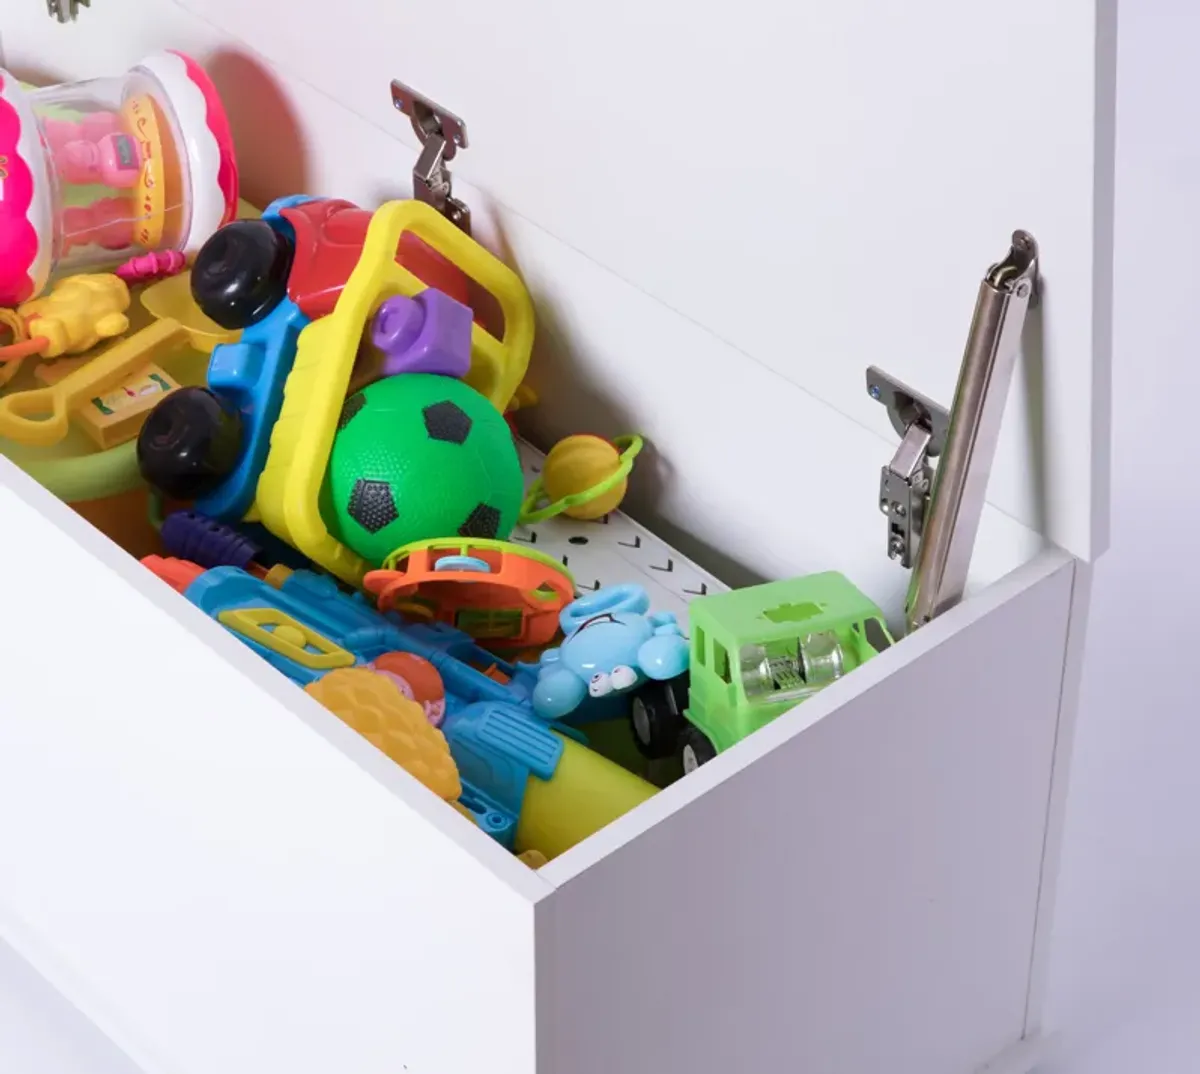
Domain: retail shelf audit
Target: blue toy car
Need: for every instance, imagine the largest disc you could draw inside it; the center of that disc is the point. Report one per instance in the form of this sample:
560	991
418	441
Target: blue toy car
615	647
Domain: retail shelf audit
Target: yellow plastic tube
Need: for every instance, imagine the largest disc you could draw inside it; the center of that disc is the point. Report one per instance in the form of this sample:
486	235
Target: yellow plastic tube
587	792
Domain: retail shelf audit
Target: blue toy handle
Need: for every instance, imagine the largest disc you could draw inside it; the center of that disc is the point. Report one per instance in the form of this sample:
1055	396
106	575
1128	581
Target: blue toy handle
664	656
558	693
629	598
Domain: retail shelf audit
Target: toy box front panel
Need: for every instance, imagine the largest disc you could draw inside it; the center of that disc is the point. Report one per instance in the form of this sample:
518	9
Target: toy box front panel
246	873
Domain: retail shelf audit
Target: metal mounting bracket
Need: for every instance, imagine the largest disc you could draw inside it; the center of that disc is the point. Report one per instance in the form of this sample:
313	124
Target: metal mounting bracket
65	10
905	482
934	513
442	135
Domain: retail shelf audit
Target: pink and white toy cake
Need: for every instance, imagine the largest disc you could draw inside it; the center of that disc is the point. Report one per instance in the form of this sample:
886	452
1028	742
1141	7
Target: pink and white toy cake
95	173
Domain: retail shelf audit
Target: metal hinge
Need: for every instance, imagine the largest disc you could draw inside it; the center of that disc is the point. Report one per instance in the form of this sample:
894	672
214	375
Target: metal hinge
66	10
905	482
934	511
442	134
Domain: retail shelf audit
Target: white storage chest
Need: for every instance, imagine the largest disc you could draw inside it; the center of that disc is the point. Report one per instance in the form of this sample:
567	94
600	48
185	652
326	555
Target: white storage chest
724	214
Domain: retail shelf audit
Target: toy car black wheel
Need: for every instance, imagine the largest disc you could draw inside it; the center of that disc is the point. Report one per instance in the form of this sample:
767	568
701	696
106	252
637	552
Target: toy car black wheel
190	443
695	750
241	273
656	715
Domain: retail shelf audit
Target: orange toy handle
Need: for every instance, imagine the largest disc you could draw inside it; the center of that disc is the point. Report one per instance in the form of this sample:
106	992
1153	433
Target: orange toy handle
14	352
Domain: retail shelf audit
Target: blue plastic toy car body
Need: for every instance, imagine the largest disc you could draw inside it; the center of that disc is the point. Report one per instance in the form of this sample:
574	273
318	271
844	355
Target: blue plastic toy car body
251	374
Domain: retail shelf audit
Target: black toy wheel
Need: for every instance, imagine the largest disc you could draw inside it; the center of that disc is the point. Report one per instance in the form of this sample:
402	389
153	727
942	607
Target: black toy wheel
241	273
190	443
695	750
656	716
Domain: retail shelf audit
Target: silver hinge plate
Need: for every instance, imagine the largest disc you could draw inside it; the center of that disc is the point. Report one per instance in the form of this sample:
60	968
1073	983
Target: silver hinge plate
65	10
905	482
442	135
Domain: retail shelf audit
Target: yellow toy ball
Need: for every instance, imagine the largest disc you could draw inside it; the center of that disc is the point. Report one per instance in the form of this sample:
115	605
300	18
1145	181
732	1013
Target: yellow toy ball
373	706
583	477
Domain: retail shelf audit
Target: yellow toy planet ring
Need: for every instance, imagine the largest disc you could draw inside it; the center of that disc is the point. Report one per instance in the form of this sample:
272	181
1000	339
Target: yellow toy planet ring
535	509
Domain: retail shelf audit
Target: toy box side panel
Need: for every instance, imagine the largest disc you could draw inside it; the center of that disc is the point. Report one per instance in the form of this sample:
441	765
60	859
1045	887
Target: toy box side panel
609	357
212	867
1081	598
860	897
41	1030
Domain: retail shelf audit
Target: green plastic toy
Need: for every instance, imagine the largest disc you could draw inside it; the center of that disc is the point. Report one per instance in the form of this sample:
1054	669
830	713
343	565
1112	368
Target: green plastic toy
757	652
419	456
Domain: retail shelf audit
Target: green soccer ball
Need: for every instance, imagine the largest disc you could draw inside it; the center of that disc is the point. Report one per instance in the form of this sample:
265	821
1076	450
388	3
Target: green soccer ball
417	457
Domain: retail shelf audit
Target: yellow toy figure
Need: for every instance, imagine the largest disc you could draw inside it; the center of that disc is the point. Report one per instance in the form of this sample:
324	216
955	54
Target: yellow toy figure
77	314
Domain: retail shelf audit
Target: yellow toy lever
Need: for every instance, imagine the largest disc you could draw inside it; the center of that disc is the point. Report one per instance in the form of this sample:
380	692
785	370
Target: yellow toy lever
41	417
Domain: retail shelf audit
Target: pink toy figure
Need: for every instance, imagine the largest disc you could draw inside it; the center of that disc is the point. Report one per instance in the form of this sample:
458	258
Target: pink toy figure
91	128
95	150
107	222
114	161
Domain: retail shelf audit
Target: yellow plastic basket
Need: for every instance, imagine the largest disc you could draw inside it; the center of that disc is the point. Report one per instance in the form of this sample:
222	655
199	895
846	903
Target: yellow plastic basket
290	484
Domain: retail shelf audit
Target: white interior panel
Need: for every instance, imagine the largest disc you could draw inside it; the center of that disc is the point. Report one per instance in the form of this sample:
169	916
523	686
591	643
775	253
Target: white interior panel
818	185
750	473
183	849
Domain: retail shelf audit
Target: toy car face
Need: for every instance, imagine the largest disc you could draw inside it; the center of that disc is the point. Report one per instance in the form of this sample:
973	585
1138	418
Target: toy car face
615	650
603	652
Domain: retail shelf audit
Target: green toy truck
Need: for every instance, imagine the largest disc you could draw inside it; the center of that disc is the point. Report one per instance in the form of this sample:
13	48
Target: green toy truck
757	652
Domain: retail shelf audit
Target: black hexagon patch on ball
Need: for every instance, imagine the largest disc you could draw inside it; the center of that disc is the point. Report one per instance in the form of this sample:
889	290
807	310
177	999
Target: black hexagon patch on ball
483	523
447	421
372	505
349	408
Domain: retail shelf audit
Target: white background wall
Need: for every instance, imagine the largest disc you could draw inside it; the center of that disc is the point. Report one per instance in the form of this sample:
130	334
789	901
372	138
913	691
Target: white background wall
1126	970
1125	983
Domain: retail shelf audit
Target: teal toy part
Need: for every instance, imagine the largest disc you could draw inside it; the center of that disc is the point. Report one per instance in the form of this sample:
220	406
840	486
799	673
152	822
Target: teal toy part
497	747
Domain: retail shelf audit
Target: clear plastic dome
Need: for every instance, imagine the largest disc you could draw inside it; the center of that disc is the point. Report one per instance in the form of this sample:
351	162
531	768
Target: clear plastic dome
118	167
